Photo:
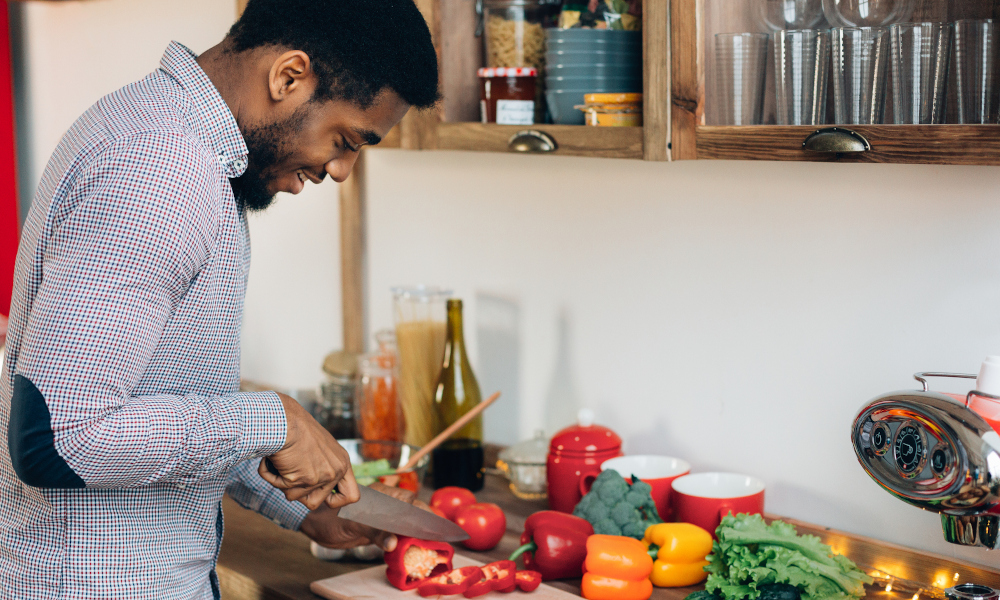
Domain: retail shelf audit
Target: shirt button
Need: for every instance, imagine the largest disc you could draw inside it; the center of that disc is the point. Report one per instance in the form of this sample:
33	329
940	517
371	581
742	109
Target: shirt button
239	164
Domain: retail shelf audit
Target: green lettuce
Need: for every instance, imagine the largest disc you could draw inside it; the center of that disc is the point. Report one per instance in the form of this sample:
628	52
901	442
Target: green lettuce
750	553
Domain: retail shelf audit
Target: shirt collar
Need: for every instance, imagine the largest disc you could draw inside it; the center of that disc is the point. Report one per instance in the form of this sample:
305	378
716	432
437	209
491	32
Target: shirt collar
216	122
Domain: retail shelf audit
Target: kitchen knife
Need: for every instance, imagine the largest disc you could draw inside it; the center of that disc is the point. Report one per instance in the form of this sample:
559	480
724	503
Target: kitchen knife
384	512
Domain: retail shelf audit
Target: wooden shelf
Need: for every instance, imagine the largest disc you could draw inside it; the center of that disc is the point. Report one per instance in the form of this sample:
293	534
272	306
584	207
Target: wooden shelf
572	140
451	126
916	144
692	22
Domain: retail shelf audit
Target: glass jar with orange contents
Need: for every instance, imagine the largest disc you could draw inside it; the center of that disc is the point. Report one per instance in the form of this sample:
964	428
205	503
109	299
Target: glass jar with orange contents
379	412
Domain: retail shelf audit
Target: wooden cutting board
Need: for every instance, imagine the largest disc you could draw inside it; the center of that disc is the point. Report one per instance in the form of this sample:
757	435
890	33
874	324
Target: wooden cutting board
371	584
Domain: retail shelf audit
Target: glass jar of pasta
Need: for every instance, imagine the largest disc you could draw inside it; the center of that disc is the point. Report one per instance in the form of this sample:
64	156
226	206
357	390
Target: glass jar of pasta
514	31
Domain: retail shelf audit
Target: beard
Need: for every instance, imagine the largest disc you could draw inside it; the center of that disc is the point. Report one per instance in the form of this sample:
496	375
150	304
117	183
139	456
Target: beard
267	146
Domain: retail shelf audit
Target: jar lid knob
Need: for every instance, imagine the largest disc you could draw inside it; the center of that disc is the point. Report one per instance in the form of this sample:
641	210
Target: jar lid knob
585	417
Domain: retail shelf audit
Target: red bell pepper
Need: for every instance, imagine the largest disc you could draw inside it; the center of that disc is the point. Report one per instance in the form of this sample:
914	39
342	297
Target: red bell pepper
453	582
497	577
528	581
554	544
415	560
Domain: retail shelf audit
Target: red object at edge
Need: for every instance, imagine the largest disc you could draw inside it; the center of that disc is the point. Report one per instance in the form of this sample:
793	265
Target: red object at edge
9	230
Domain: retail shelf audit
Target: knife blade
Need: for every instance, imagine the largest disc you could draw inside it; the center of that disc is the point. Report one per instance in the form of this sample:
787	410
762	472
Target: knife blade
384	512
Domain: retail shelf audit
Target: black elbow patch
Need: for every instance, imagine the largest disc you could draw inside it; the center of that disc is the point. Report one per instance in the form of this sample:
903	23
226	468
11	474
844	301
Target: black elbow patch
32	443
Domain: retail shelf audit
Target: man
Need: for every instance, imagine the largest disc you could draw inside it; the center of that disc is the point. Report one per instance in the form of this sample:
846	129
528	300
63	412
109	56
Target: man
118	397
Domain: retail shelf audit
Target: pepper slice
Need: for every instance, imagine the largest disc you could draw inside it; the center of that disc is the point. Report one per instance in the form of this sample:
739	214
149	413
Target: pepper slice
528	581
497	577
453	582
554	544
415	560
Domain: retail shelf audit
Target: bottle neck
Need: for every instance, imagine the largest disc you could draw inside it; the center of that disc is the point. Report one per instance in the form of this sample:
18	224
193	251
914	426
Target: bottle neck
456	335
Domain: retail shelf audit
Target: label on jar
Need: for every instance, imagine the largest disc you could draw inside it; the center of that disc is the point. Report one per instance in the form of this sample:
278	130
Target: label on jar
515	112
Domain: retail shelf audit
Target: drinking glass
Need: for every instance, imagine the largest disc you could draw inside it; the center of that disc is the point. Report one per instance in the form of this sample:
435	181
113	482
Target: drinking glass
860	69
740	67
975	67
801	66
920	55
867	13
790	14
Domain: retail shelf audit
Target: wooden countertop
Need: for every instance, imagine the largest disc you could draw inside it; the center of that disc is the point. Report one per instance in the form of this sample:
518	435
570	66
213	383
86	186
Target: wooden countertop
261	561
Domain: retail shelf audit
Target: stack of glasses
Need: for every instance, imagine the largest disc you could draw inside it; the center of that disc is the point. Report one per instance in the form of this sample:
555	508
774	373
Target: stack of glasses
586	61
924	57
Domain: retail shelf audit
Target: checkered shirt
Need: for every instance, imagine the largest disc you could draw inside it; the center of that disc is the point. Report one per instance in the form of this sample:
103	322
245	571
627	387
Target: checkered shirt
128	298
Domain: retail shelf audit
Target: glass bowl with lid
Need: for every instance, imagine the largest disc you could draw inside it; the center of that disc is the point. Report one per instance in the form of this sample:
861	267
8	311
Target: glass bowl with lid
524	465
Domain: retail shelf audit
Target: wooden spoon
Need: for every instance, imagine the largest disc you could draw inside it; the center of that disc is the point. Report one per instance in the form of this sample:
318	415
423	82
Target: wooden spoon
392	480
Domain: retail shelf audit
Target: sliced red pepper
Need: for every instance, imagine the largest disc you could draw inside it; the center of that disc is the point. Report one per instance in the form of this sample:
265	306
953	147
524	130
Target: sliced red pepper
497	577
455	581
554	544
528	581
415	560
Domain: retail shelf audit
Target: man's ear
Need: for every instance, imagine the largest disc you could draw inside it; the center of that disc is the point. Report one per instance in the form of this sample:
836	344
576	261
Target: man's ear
291	73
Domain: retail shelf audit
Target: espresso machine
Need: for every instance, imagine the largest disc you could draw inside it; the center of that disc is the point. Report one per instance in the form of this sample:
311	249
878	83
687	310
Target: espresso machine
931	450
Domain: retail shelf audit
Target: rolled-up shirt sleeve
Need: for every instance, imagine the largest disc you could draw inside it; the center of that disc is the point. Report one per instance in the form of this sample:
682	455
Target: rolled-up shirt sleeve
249	490
114	270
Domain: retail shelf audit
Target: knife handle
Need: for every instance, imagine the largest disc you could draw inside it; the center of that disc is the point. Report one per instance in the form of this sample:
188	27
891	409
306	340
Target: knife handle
274	471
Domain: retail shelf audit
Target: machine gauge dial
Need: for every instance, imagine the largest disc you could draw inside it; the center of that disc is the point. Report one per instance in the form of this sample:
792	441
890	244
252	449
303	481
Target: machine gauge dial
941	460
909	450
880	439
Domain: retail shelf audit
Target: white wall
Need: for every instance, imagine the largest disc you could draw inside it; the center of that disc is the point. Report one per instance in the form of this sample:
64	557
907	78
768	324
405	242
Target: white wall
733	314
75	52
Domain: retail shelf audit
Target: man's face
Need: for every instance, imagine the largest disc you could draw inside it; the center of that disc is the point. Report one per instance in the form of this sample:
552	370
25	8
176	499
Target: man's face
318	139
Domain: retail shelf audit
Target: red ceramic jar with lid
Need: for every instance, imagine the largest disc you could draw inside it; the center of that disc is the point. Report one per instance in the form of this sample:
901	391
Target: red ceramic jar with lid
507	95
574	452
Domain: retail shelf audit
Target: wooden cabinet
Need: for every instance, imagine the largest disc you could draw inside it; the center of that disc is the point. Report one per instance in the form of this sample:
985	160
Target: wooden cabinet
455	125
694	136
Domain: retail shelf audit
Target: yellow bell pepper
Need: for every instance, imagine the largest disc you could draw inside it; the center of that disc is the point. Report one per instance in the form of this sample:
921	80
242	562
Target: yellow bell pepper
680	560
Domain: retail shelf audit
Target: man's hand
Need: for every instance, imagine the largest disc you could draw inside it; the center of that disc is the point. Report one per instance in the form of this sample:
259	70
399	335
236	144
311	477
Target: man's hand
325	528
311	464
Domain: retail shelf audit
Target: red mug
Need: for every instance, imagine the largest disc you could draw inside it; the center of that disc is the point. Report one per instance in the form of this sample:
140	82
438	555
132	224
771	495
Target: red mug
658	471
704	498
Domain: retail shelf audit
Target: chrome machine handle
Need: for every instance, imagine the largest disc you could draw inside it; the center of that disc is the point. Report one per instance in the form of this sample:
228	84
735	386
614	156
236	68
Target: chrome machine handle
836	140
921	377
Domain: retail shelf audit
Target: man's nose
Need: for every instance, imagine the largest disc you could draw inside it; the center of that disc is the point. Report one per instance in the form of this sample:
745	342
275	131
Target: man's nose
340	168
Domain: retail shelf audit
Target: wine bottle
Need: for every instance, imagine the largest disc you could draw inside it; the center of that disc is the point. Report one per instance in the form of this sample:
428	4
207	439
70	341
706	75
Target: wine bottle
459	460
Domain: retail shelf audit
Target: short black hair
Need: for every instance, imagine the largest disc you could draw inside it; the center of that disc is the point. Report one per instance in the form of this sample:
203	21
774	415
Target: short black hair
357	48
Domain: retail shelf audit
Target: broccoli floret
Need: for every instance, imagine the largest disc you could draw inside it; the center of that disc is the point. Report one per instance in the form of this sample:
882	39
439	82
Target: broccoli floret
614	507
609	487
635	529
607	527
623	513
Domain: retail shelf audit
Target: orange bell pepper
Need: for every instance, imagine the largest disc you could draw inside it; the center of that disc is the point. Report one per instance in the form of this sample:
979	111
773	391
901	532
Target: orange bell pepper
616	568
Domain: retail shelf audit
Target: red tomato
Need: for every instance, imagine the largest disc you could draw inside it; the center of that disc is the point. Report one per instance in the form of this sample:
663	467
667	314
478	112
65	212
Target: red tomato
449	499
439	513
485	523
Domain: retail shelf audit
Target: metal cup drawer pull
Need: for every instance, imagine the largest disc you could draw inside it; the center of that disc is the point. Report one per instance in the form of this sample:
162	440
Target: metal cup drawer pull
836	140
531	140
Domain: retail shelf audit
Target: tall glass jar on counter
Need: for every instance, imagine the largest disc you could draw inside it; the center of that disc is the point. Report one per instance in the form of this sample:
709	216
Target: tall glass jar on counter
334	408
379	413
420	331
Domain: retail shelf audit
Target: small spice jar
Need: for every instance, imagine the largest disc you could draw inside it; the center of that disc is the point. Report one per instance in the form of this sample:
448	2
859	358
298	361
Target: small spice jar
379	413
507	95
334	408
612	110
